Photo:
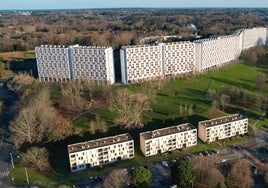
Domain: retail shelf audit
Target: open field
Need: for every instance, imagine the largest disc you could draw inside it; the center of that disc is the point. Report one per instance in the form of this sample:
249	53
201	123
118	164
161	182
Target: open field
18	55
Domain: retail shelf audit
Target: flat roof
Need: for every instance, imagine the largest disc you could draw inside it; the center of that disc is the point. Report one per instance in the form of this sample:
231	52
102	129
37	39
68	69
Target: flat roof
221	120
82	146
167	131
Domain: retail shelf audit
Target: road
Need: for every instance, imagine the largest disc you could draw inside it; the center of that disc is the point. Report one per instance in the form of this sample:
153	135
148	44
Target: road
6	146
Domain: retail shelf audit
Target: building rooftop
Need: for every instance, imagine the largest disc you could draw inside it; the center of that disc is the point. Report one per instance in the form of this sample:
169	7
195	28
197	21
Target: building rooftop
221	120
82	146
167	131
74	46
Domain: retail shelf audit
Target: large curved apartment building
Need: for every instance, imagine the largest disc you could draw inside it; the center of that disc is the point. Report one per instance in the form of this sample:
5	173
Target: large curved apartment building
145	62
179	58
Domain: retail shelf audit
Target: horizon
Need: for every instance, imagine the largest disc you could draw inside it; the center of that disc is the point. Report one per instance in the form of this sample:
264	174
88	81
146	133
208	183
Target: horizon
119	4
124	8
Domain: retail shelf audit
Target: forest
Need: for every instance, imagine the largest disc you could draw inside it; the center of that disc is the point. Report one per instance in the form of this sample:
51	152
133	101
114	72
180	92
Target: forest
117	27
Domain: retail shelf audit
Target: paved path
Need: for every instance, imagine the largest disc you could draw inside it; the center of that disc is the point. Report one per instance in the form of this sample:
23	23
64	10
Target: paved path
6	147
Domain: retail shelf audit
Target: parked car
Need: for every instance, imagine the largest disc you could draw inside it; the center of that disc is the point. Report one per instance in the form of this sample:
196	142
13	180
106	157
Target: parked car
164	164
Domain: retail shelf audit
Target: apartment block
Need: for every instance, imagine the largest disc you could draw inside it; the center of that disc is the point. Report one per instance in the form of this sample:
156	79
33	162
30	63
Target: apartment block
222	128
62	63
216	51
141	63
100	152
168	139
179	58
94	63
254	37
53	63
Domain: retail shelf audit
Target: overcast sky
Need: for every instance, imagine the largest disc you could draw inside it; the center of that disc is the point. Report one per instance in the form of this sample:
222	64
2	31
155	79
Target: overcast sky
73	4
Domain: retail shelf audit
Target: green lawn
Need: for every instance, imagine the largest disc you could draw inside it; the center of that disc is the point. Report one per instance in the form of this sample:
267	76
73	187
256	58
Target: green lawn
166	112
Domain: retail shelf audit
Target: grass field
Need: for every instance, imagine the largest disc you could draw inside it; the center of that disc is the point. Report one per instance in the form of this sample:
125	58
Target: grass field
166	112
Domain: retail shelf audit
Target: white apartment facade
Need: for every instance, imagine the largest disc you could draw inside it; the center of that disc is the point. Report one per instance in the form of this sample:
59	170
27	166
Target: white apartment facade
53	63
222	128
214	52
94	63
168	139
141	63
179	58
254	37
62	63
100	151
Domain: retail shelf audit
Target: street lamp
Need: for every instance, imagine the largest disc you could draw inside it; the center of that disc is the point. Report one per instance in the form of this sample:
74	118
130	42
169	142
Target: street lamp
192	182
11	158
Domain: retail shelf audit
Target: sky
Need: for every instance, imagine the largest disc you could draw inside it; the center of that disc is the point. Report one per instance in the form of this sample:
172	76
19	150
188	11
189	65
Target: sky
83	4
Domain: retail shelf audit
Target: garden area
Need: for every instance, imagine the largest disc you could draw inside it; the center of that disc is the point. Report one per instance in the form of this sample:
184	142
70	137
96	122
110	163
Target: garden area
238	88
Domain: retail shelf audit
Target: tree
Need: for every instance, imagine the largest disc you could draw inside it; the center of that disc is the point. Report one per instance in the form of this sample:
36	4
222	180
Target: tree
61	129
37	158
132	109
265	176
141	177
23	84
241	173
223	100
261	81
118	178
73	93
36	121
182	173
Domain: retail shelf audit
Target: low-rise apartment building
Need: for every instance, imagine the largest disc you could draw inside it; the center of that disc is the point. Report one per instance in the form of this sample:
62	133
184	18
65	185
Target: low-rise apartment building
100	151
168	139
222	128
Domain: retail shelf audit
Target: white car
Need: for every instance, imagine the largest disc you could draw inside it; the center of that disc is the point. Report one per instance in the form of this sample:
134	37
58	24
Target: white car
164	164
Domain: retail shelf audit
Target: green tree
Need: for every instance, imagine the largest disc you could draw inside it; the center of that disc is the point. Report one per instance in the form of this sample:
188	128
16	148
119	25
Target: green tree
141	177
182	174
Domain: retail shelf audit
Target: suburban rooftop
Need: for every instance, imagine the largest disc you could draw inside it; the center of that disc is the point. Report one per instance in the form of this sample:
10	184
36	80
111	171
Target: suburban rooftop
167	131
72	148
221	120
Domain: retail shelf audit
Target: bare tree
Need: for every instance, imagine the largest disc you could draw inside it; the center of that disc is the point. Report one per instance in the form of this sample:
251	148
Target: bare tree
261	81
61	128
73	92
37	158
36	121
241	173
92	127
207	173
118	178
131	108
224	99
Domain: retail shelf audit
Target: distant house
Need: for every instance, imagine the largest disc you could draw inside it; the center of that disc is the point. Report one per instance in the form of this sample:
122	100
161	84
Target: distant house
168	139
222	128
100	151
191	26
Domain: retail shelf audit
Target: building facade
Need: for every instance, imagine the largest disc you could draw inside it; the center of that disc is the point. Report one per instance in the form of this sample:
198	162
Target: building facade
179	58
254	37
222	128
168	139
100	152
215	52
141	63
94	63
53	63
62	63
